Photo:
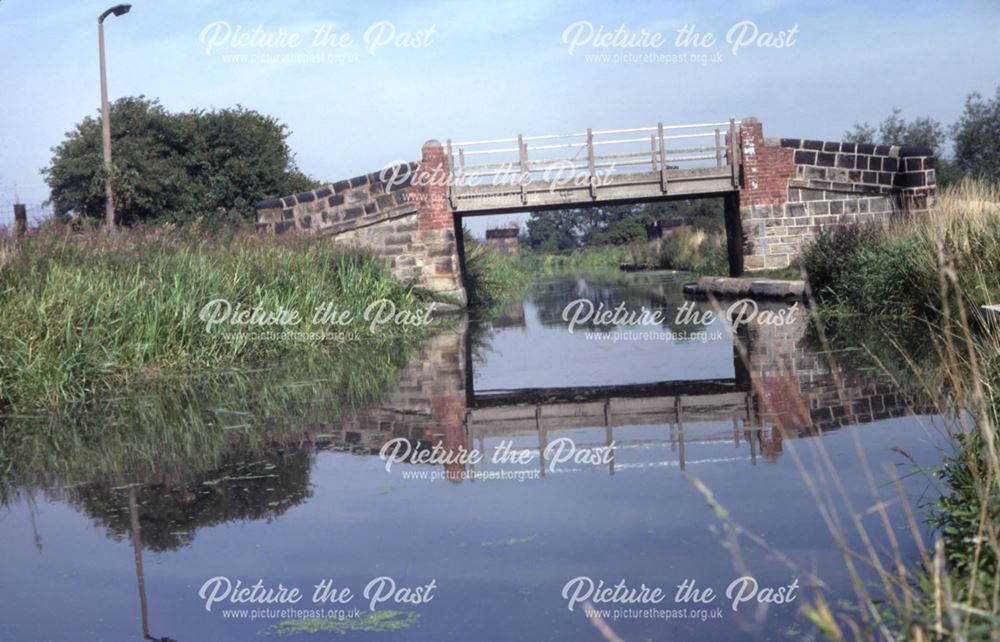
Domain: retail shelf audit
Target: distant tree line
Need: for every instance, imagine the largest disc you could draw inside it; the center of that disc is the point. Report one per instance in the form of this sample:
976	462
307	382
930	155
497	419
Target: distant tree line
975	138
174	166
563	230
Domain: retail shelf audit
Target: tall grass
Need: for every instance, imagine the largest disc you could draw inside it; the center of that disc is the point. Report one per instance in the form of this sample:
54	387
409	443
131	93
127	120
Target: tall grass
938	267
82	313
589	260
896	269
695	250
492	279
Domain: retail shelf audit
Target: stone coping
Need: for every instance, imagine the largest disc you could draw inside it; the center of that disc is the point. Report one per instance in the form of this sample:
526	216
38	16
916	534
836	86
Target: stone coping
738	288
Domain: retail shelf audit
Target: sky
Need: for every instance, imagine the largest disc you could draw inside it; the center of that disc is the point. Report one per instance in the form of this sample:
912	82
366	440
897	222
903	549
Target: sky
363	84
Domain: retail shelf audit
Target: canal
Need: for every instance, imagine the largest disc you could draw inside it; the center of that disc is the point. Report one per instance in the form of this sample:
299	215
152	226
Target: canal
531	476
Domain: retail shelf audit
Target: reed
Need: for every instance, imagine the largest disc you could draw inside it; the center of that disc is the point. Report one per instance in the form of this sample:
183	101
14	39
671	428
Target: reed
938	269
83	313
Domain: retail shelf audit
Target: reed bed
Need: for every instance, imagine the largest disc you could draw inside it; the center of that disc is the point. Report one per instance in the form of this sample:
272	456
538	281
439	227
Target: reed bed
84	313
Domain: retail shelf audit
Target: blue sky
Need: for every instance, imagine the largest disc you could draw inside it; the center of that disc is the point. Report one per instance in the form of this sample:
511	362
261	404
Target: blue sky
486	69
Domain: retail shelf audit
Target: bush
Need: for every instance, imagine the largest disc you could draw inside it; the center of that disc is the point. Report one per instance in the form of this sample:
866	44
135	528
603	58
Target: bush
695	251
491	278
829	258
894	270
174	166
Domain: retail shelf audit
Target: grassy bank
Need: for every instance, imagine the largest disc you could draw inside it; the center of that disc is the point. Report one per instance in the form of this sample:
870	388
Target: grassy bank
607	258
903	269
935	269
84	313
492	279
686	250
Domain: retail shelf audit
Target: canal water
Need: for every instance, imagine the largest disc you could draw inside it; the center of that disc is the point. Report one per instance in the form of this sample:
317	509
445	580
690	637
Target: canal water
544	475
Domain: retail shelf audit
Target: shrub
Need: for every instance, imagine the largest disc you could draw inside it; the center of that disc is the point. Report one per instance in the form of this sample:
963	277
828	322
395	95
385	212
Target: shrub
896	270
695	251
830	256
491	278
174	166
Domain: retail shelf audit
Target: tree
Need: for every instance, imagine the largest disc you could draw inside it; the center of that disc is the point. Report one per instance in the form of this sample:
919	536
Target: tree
860	133
616	225
977	137
895	130
551	231
174	166
922	131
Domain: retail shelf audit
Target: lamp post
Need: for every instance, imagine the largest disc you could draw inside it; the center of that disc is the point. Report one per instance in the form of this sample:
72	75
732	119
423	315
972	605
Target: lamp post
109	211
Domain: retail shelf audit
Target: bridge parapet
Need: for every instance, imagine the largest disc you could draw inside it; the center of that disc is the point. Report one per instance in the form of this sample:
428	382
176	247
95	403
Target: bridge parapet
399	214
779	194
793	188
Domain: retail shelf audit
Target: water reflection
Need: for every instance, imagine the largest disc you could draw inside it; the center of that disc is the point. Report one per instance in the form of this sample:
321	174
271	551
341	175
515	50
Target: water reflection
291	451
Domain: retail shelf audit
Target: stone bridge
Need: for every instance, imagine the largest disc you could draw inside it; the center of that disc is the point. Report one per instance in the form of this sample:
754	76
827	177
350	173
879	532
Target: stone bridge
778	193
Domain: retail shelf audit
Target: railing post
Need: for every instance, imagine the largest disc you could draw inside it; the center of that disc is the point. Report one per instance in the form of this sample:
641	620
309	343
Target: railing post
718	148
663	159
20	219
523	154
590	163
732	153
652	150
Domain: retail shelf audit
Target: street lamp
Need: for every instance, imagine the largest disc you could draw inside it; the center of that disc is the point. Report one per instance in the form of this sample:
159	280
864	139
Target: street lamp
109	212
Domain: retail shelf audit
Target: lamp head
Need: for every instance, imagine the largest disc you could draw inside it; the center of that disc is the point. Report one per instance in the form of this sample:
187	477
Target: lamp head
118	10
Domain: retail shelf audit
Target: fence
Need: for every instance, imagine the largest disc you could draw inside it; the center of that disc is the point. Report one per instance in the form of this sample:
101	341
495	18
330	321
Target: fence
33	214
655	149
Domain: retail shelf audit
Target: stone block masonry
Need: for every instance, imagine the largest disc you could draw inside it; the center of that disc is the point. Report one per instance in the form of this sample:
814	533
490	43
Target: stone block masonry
504	240
400	214
779	194
792	188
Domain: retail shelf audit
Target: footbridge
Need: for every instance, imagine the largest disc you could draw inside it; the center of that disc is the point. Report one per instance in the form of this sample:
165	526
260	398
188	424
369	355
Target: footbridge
778	193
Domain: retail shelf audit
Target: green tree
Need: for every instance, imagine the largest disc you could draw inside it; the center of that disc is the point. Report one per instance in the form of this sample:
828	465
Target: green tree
977	137
860	133
552	231
922	131
174	166
616	225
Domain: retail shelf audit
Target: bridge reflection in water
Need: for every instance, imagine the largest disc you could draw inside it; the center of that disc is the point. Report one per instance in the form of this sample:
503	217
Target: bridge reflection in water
780	389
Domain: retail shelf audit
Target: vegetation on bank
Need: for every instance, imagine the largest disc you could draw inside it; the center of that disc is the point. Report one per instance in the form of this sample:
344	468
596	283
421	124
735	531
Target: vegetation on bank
83	313
591	260
936	269
900	269
174	167
688	249
492	279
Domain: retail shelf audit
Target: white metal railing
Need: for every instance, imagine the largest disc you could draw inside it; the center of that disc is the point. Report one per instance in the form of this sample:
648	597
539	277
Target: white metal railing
611	151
